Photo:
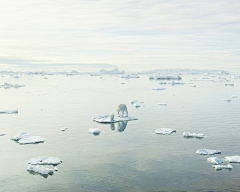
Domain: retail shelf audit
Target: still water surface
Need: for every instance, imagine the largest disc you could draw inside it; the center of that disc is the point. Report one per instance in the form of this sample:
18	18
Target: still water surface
125	156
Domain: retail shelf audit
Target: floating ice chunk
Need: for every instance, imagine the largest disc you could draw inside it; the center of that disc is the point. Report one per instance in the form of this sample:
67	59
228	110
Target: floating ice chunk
94	131
40	169
9	111
176	82
197	135
31	140
130	76
226	99
215	160
229	84
220	167
17	85
64	128
164	104
42	160
55	168
165	131
20	135
1	134
159	88
233	159
207	152
234	96
137	103
162	82
105	118
6	85
205	78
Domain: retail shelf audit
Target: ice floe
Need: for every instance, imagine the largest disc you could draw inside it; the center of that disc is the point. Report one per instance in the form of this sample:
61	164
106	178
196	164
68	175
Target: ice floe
164	104
25	138
8	85
9	111
165	131
94	131
197	135
2	134
233	159
163	82
215	160
64	128
159	88
137	103
106	119
226	99
220	167
45	160
207	152
40	169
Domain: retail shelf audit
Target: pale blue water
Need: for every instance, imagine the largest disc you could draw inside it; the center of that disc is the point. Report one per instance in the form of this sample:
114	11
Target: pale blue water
131	158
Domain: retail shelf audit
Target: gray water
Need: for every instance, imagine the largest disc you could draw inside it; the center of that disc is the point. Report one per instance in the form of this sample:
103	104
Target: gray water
124	157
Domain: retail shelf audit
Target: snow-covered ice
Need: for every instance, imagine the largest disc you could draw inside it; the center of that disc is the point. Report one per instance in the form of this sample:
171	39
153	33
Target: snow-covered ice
25	138
9	111
165	131
215	160
1	134
64	128
94	131
159	88
220	167
207	152
20	135
233	159
105	118
45	160
164	104
197	135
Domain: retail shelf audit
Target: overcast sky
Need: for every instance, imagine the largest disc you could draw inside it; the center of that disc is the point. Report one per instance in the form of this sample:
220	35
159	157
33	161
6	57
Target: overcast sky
132	35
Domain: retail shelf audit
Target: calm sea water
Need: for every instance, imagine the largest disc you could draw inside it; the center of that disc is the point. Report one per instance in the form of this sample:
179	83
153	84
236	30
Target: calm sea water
124	157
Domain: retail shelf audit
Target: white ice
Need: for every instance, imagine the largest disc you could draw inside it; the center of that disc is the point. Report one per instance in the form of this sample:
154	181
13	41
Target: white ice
207	152
20	135
233	159
105	118
137	103
159	88
41	160
25	138
162	104
220	167
40	169
226	99
215	160
1	134
64	128
9	111
197	135
165	131
94	131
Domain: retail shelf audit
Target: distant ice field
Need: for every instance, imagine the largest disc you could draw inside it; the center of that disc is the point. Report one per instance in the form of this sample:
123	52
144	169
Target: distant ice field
125	156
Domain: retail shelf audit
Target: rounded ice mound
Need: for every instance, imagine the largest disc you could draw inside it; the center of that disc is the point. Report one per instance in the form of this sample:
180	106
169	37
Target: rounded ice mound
41	160
207	152
215	160
20	135
94	131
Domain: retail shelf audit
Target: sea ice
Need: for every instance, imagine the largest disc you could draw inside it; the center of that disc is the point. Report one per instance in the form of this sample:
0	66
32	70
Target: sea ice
162	104
229	84
16	77
1	134
17	85
94	131
130	76
25	138
9	111
207	152
234	96
105	118
215	160
151	77
176	82
45	78
165	131
192	85
233	159
40	169
220	167
226	99
20	135
162	82
169	77
64	128
159	88
41	160
197	135
137	103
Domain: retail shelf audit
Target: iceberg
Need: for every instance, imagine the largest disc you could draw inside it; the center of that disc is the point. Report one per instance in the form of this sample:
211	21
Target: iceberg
105	118
162	104
2	134
40	169
64	128
215	160
233	159
94	131
20	135
25	138
159	88
197	135
9	111
207	152
42	160
220	167
165	131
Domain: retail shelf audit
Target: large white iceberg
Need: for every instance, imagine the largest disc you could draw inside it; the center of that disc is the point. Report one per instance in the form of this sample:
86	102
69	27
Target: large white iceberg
197	135
94	131
40	169
105	118
25	138
207	152
233	159
9	111
165	131
220	167
215	160
159	88
41	160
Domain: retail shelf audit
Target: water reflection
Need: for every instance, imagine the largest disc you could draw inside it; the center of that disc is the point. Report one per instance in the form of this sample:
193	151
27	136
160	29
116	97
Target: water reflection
121	126
191	137
43	175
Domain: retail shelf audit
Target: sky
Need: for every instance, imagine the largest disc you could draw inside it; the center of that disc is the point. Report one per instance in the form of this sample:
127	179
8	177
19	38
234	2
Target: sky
134	35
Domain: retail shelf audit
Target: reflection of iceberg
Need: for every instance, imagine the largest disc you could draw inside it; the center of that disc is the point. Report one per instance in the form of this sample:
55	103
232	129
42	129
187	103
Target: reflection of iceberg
25	138
165	131
197	135
41	160
233	159
215	160
220	167
207	152
105	118
9	111
122	126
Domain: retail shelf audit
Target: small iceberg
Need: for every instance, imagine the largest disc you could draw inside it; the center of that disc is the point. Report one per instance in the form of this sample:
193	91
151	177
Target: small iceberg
197	135
159	88
2	134
25	138
207	152
234	96
233	159
106	119
164	104
40	169
64	128
215	160
177	82
137	103
151	77
220	167
94	131
17	86
9	111
165	131
226	99
42	160
168	77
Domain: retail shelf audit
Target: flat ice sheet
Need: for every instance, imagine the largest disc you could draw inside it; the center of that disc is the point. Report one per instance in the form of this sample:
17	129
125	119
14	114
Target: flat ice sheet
105	118
197	135
207	152
165	131
233	159
220	167
215	160
40	169
25	138
42	160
